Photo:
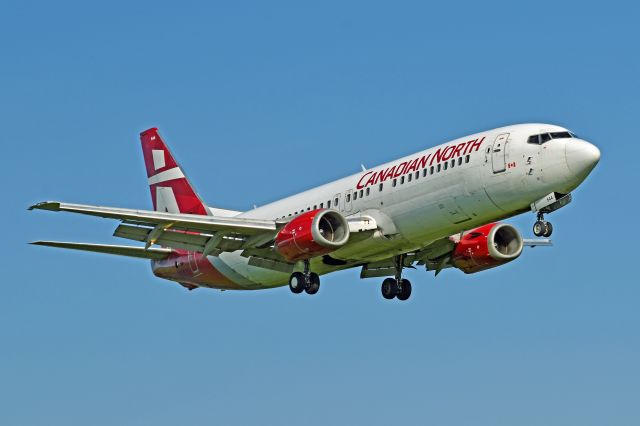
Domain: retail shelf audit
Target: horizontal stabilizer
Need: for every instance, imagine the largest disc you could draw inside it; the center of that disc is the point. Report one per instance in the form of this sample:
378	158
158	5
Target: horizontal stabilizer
130	251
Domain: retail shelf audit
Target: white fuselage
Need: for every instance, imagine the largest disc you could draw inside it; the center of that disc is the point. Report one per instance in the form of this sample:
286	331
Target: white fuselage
488	176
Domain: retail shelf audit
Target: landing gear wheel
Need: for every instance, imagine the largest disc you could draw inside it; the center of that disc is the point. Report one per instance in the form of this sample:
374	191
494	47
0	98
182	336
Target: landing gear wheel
297	282
313	285
539	228
405	290
389	288
549	230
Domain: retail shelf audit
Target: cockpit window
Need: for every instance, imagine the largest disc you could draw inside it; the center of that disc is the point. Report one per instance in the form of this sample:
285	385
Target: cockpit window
546	137
560	135
534	139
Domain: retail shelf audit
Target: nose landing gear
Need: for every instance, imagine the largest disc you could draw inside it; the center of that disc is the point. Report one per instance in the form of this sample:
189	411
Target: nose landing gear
542	228
397	287
306	281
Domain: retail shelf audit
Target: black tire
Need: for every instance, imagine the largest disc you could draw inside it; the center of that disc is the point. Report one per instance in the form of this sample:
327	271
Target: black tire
296	282
405	290
314	284
539	228
389	288
548	229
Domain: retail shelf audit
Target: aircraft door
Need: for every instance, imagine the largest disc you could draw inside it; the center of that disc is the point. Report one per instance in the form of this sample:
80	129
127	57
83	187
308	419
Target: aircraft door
337	205
347	200
499	153
193	263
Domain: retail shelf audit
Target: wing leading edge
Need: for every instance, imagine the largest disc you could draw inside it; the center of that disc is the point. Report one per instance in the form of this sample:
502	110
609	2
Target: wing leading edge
129	251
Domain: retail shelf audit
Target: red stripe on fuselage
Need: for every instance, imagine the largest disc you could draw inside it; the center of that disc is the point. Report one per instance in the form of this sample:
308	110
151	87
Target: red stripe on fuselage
192	268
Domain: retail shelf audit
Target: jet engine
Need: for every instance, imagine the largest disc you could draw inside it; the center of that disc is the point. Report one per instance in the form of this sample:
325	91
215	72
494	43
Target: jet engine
311	234
486	247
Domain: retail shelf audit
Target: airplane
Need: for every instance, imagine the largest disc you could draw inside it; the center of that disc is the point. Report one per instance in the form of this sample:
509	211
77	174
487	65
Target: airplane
439	208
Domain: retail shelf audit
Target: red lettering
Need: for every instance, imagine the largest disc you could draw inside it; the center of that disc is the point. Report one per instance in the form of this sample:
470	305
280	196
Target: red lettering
422	163
467	147
401	169
437	156
448	152
372	180
456	153
476	144
389	173
360	185
412	166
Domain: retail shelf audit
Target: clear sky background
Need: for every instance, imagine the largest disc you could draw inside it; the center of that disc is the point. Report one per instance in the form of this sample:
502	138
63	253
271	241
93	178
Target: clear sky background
259	100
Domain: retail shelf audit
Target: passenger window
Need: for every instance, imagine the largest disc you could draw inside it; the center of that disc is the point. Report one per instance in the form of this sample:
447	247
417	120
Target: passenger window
315	207
410	177
459	161
402	180
321	205
395	182
446	165
453	163
424	172
367	191
439	167
336	201
329	204
355	195
466	159
431	170
308	209
380	187
348	197
417	175
361	193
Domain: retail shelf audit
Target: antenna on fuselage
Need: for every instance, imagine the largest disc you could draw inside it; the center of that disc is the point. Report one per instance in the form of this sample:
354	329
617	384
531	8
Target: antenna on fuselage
364	169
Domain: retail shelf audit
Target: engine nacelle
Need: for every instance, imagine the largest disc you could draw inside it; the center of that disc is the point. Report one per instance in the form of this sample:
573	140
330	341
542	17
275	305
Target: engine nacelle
311	234
486	247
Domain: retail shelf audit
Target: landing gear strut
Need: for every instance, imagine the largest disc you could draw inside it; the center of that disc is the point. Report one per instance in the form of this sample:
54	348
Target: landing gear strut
397	287
542	228
304	281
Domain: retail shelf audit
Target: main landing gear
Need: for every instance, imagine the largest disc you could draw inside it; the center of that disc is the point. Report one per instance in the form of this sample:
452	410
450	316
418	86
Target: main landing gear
304	281
397	287
542	228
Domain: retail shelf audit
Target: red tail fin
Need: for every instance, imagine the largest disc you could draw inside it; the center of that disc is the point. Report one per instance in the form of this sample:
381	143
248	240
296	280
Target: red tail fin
171	191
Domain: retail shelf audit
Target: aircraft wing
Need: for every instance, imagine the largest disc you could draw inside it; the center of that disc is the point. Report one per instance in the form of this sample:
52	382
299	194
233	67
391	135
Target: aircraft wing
184	222
436	256
140	252
207	234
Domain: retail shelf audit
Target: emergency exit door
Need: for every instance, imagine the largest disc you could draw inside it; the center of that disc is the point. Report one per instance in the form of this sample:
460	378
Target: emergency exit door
499	153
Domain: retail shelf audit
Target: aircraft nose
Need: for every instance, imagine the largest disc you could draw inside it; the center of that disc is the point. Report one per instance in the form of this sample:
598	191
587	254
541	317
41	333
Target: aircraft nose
581	156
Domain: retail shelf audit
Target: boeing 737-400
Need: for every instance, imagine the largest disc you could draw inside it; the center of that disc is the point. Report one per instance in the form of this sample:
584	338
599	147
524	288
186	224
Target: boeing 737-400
438	208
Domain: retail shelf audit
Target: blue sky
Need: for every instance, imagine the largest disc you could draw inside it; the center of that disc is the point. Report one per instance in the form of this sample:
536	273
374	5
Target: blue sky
260	100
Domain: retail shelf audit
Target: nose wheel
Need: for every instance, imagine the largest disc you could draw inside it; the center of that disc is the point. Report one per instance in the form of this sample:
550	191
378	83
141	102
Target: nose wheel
306	281
397	287
542	228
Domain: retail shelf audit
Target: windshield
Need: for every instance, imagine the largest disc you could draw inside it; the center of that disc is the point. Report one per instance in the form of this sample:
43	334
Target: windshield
545	137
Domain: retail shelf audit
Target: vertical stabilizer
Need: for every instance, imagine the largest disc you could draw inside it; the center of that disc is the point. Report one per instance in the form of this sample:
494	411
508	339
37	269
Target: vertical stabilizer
171	191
